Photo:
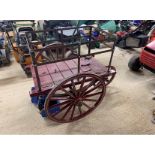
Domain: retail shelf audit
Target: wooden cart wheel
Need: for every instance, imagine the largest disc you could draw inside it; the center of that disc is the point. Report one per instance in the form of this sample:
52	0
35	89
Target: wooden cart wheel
75	98
108	79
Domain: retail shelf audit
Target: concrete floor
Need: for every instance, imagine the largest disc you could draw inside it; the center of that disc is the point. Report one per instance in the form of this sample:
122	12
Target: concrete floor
126	108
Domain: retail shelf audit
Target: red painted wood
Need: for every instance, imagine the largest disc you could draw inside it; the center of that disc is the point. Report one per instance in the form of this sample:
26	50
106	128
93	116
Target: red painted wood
62	66
52	68
64	69
42	70
73	66
52	74
97	67
32	71
56	77
75	71
47	87
67	73
45	80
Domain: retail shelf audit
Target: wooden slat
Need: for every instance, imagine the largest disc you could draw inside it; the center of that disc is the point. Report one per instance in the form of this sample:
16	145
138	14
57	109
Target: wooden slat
42	70
52	68
67	73
56	77
45	80
73	66
54	73
64	69
62	66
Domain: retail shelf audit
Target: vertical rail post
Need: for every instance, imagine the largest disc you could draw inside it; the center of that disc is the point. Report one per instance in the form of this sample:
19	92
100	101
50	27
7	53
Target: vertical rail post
90	36
112	53
62	42
79	51
34	62
61	36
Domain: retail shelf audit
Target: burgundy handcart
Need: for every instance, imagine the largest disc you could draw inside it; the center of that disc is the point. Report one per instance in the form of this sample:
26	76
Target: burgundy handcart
68	89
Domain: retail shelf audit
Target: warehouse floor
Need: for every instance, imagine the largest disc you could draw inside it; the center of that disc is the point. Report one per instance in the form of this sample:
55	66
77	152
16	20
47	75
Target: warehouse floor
126	108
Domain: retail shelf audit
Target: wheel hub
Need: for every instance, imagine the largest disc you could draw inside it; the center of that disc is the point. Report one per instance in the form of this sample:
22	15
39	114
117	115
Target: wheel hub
78	102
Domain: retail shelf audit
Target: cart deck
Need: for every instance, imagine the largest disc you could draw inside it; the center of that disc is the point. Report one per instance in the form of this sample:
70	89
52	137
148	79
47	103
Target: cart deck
52	74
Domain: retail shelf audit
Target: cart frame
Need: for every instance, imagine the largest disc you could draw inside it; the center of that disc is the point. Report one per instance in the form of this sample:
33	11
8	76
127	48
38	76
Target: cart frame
93	78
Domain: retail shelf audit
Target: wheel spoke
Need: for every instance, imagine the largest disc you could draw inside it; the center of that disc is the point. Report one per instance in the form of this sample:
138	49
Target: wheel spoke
93	94
58	98
86	105
74	88
82	83
106	79
89	100
92	89
64	90
72	112
67	112
60	104
61	95
88	86
79	107
61	109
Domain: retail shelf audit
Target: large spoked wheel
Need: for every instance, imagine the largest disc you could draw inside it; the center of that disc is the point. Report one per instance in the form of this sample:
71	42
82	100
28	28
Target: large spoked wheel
75	98
112	72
